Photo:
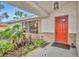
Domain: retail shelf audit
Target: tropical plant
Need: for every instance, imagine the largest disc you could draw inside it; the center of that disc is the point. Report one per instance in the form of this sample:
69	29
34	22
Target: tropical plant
16	30
6	34
39	42
19	15
1	6
13	34
31	46
5	47
3	16
0	33
10	31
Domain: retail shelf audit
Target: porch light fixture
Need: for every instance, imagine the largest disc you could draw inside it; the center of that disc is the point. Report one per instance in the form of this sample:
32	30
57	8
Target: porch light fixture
56	5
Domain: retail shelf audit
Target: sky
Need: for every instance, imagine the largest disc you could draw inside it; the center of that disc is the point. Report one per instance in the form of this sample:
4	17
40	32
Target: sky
11	11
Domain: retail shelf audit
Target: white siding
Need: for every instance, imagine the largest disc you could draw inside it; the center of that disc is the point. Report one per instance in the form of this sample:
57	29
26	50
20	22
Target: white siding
77	40
48	25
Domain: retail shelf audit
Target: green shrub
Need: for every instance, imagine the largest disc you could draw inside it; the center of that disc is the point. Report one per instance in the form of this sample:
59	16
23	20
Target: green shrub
39	42
0	34
6	34
5	47
31	46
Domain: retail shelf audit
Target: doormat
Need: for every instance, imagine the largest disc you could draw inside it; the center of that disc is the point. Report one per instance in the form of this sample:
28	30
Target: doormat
64	46
45	45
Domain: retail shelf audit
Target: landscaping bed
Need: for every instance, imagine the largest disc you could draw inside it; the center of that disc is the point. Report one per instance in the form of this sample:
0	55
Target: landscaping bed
16	44
8	49
24	49
19	52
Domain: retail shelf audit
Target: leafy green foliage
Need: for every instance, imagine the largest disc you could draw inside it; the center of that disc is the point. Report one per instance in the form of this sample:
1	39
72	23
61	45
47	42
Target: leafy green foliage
3	16
19	14
17	33
16	26
14	34
1	6
0	34
39	42
31	46
9	32
5	47
6	34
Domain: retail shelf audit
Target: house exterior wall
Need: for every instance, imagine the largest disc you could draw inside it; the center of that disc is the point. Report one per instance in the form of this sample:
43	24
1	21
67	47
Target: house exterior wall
77	40
48	24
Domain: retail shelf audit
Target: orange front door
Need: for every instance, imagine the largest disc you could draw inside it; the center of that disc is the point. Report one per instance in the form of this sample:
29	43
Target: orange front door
61	29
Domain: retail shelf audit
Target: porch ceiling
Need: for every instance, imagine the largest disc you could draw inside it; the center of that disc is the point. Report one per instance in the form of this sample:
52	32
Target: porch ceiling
40	8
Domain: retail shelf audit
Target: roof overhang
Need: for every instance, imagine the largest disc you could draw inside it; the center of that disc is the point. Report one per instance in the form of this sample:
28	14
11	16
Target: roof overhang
40	8
29	6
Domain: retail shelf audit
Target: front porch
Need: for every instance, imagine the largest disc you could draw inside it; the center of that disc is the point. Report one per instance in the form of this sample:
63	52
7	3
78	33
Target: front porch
44	26
51	51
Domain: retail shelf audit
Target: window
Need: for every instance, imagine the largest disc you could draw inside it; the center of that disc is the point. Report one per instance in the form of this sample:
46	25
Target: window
30	26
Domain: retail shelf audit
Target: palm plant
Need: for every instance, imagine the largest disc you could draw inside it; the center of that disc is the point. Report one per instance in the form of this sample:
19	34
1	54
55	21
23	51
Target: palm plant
19	15
17	34
6	34
1	7
4	15
6	46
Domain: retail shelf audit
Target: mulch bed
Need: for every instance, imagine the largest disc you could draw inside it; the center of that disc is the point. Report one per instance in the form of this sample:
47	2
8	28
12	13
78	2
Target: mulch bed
18	52
15	53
